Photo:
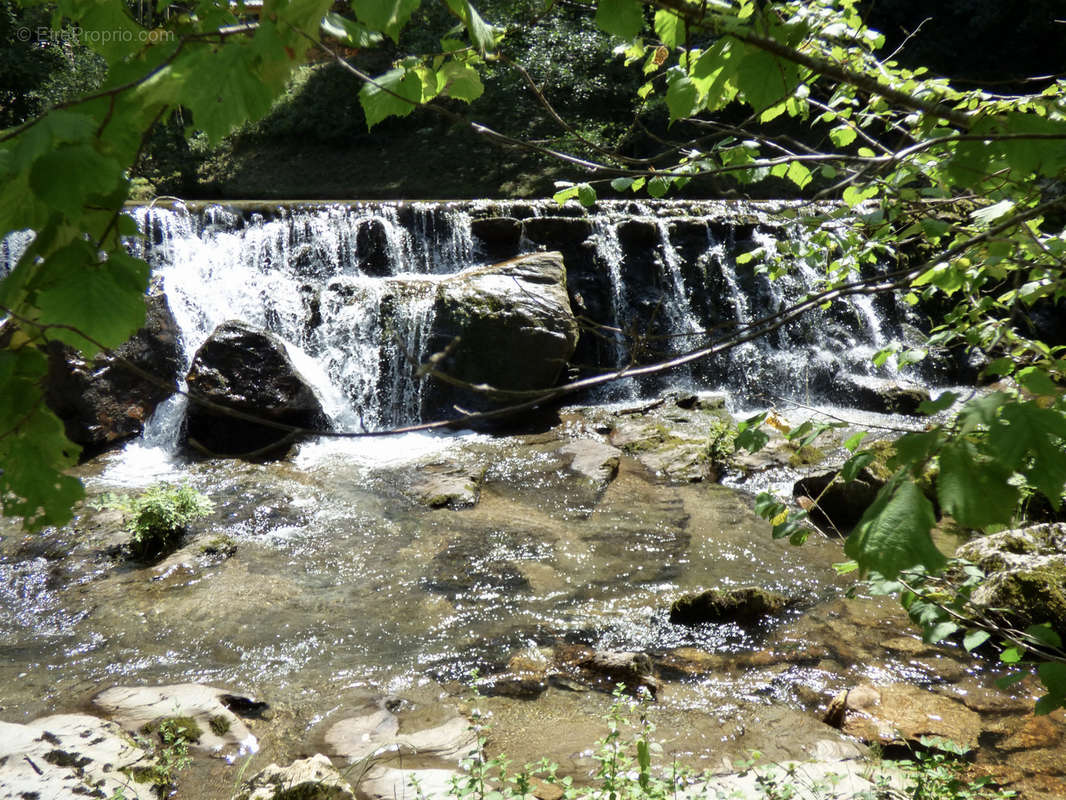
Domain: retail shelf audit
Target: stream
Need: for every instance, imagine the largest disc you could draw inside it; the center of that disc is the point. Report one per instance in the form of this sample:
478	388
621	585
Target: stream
324	582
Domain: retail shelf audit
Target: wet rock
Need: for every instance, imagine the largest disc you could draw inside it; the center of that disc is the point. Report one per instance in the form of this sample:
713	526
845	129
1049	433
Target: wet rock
507	327
605	669
497	236
526	677
250	371
1026	575
69	756
312	778
901	715
1036	733
376	733
592	459
481	561
372	245
202	711
387	783
663	450
103	402
557	231
746	606
447	485
835	506
638	234
878	395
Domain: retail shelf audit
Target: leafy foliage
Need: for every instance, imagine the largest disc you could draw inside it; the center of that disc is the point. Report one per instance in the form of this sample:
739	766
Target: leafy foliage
158	516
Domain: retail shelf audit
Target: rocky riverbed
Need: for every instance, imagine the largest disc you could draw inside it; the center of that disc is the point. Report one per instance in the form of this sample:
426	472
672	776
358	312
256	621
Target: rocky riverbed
337	602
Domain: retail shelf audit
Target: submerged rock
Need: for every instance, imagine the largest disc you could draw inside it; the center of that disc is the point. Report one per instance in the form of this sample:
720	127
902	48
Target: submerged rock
250	371
201	712
1026	575
746	606
447	485
594	460
313	778
103	402
503	328
606	669
901	715
69	757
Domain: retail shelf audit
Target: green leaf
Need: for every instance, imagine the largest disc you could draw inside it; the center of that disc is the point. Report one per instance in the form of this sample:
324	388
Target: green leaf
348	31
586	195
387	16
974	489
670	28
566	193
682	97
765	79
461	81
974	639
856	464
945	401
1037	381
749	435
939	632
622	18
235	94
798	174
1027	431
893	534
621	184
34	450
1044	634
394	94
658	186
1012	655
842	135
68	176
481	33
104	300
854	441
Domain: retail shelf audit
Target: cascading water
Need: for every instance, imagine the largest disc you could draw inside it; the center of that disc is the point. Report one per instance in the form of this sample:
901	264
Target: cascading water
350	289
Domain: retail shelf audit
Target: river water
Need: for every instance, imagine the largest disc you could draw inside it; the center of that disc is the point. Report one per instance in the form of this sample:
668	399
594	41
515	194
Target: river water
323	581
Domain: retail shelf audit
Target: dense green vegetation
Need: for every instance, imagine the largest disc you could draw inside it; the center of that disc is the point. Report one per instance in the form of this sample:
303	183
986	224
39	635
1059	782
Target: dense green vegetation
957	189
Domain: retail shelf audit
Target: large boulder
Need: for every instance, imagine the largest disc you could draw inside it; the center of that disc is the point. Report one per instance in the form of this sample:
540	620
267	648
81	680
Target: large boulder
313	778
247	370
504	328
835	506
103	402
1026	575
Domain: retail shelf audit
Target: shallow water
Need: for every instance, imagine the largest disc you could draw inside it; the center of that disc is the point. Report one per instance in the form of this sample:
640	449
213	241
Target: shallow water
344	588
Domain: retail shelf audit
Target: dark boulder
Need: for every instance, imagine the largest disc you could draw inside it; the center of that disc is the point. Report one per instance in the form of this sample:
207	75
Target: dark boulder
558	231
104	402
878	395
504	328
745	606
372	245
247	370
497	237
835	506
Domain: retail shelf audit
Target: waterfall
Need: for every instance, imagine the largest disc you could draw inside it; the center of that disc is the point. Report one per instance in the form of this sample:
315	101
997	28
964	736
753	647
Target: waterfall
350	289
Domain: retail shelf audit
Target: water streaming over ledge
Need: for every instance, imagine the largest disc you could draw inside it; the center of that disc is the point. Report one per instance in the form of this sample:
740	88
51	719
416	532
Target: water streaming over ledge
653	275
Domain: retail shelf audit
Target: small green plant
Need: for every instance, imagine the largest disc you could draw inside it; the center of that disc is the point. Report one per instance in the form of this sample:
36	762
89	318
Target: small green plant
939	773
171	752
158	517
219	725
721	442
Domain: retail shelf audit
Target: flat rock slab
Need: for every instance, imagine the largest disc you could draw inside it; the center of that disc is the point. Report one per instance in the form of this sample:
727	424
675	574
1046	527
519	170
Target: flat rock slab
900	714
386	783
592	459
312	778
138	709
447	485
69	756
376	734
